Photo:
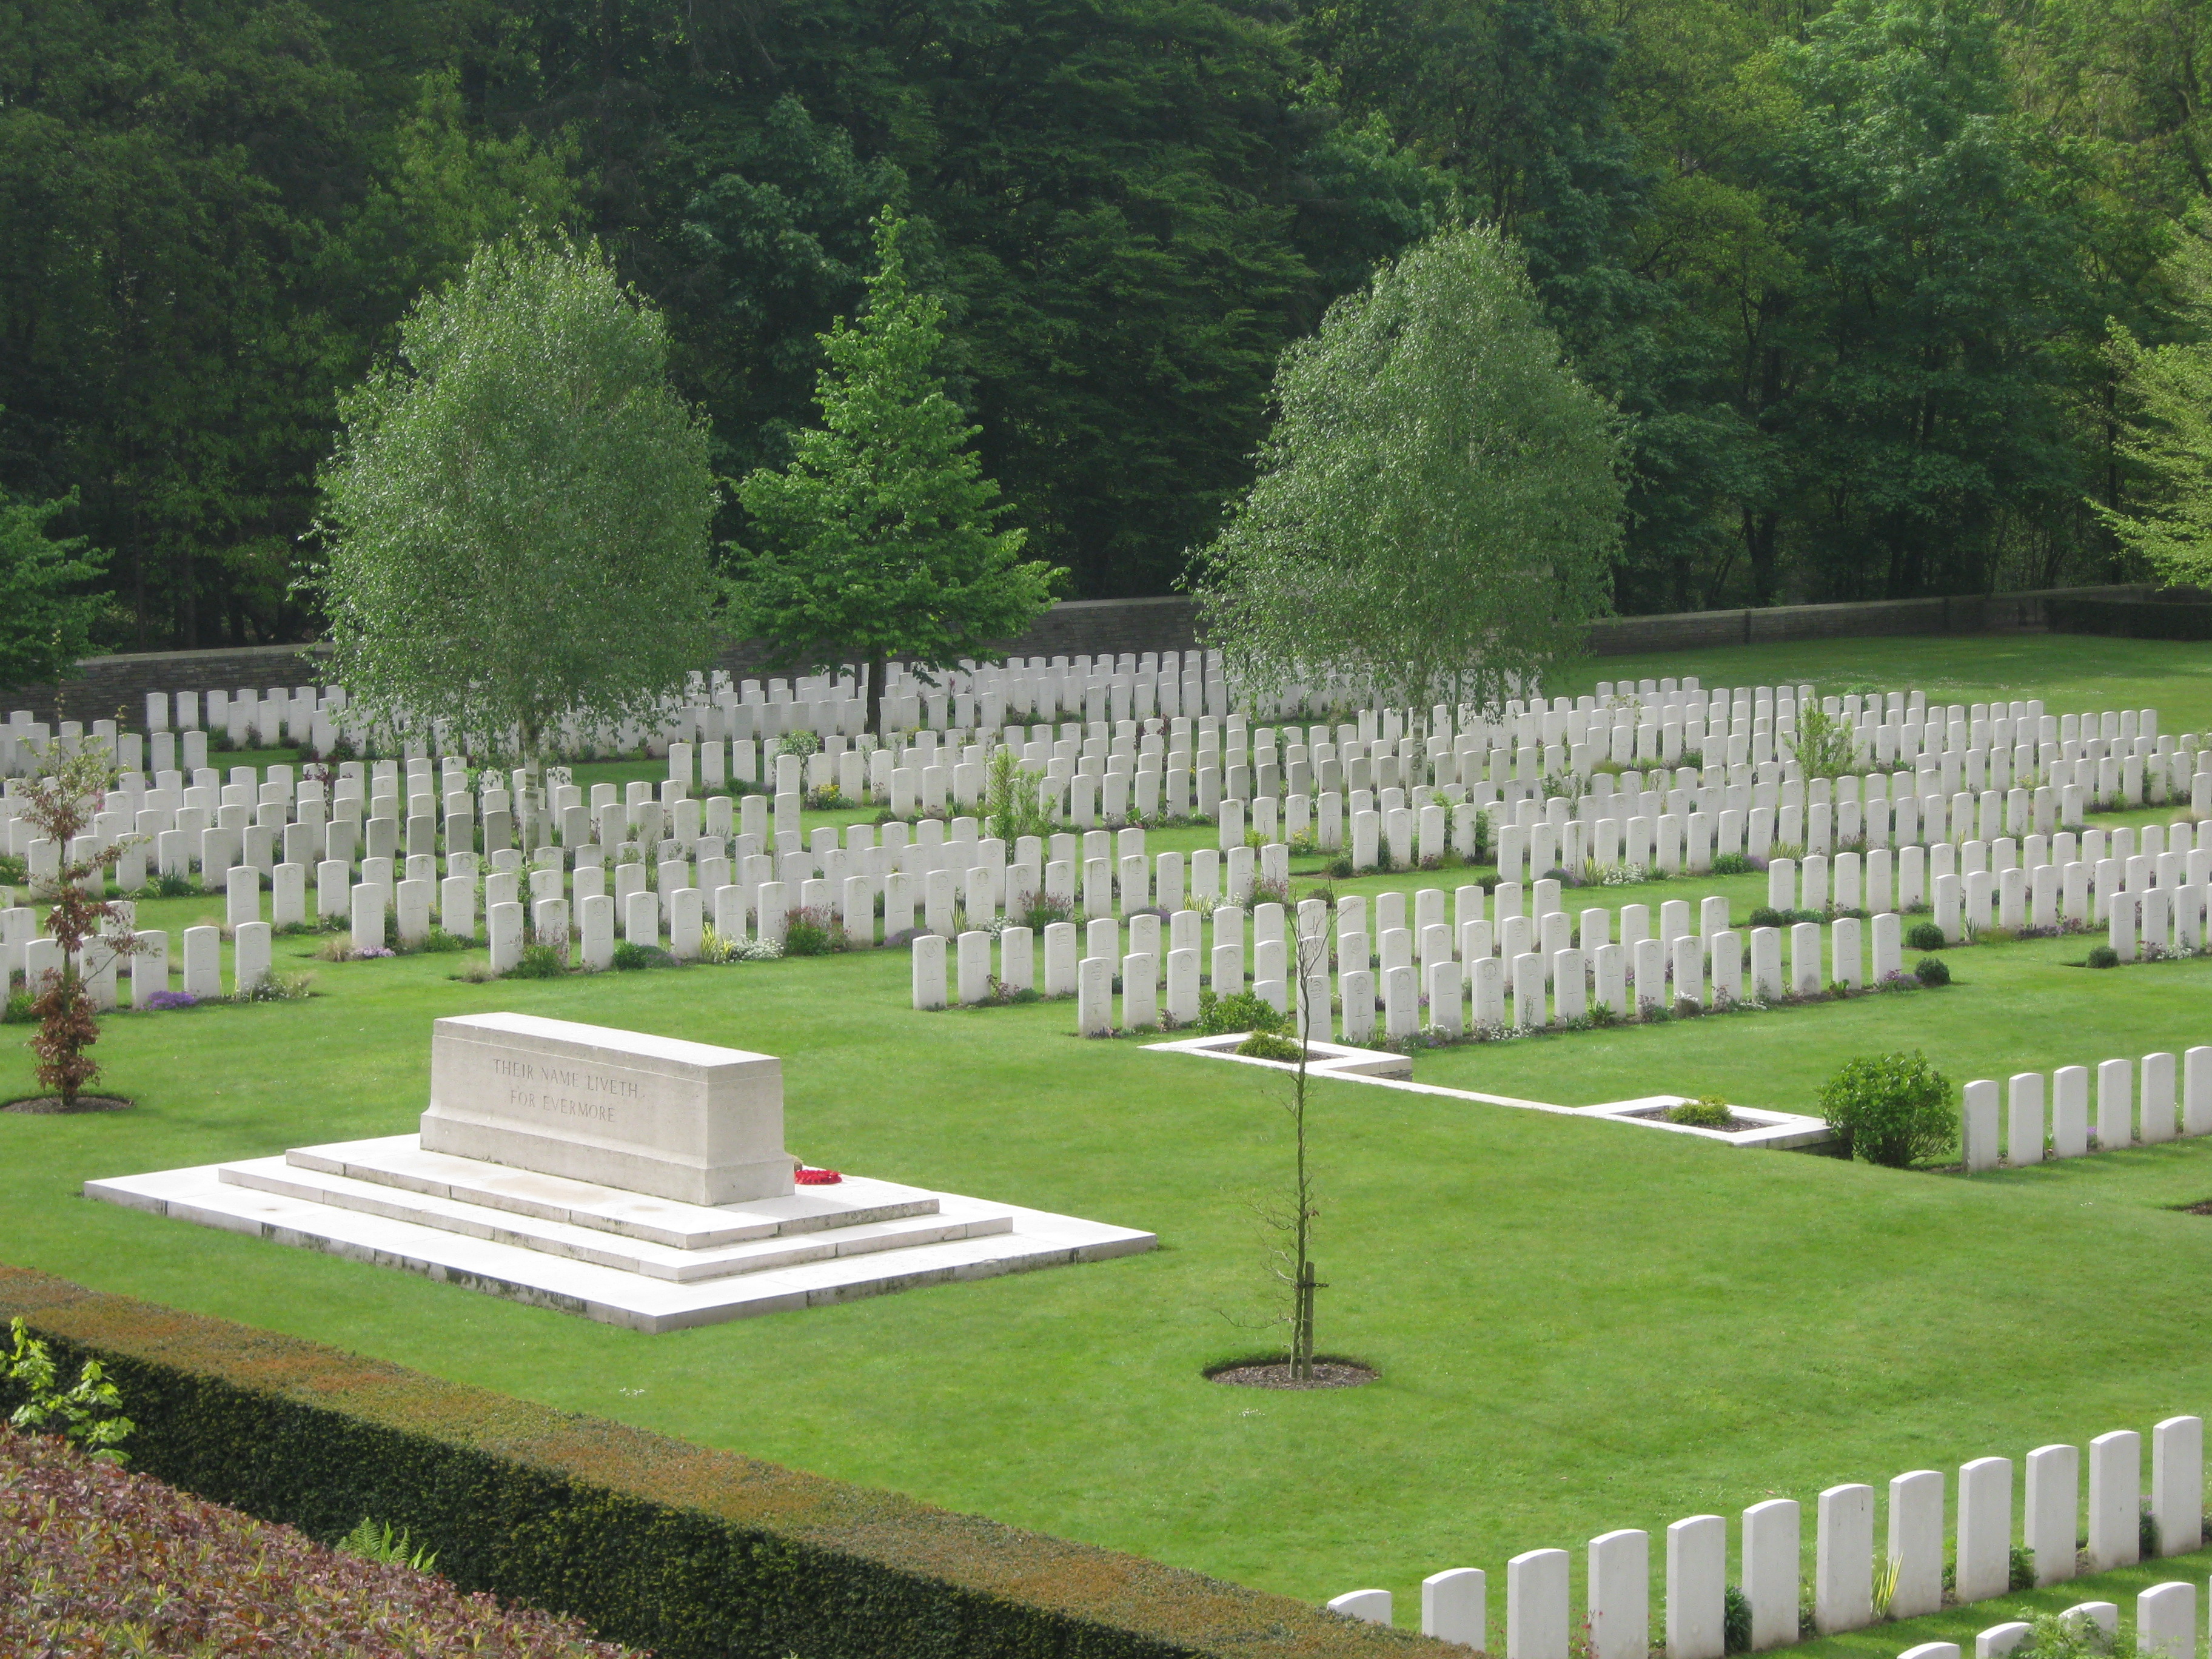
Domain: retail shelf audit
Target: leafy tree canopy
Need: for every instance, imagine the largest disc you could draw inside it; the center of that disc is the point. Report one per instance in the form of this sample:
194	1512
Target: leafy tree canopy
1440	497
878	539
517	514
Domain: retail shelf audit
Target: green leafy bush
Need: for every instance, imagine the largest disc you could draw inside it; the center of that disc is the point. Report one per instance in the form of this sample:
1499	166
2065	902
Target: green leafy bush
1925	936
380	1544
1044	909
1767	916
1266	1045
2104	957
1735	1621
1709	1112
812	932
1218	1015
801	743
1932	971
630	955
1892	1109
539	962
1733	863
88	1414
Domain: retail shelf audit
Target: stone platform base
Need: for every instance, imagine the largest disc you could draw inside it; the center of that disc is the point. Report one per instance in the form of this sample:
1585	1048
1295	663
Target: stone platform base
622	1258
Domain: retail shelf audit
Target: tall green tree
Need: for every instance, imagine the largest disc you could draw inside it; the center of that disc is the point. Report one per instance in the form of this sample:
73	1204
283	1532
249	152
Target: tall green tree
879	539
1440	499
1939	280
516	518
46	601
2166	426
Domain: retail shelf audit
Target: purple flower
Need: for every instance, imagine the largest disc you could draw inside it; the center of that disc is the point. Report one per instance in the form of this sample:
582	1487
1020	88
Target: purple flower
172	1000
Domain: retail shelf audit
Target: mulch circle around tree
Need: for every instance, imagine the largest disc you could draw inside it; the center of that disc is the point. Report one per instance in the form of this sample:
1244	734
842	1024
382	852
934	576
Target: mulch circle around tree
84	1103
1276	1374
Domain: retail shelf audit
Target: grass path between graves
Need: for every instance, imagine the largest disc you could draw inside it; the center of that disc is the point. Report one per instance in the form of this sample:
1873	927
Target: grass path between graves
1580	1326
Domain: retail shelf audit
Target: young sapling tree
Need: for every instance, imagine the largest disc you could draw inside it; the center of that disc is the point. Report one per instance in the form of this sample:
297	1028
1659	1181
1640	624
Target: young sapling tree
61	806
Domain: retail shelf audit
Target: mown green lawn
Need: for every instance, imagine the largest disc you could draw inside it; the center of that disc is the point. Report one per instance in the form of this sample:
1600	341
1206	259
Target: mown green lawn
1579	1326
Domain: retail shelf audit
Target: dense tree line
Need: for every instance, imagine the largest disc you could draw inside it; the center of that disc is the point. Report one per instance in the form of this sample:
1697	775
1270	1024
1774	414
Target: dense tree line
1849	271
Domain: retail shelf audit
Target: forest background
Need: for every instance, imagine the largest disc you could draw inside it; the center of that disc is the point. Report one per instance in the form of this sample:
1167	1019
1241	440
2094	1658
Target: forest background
1852	272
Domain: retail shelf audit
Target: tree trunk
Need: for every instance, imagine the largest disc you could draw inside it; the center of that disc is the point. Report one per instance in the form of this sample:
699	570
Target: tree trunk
878	668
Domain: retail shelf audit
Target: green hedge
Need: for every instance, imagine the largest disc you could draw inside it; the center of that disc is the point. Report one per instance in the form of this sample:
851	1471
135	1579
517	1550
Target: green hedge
685	1549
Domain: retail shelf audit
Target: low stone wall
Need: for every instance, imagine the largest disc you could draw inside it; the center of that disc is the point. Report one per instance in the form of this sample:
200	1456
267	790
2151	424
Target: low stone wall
1074	627
1974	613
2185	615
102	685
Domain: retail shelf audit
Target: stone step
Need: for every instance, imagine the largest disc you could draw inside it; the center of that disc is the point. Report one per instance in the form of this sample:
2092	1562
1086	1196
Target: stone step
284	1179
1038	1240
399	1161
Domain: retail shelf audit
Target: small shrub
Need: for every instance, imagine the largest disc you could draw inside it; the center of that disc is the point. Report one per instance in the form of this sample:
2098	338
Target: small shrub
1925	936
438	942
1767	916
828	798
2050	1638
88	1414
2021	1568
18	1009
1932	971
373	1543
1266	891
1708	1112
801	743
1733	863
172	886
1266	1045
273	987
2104	957
546	961
2147	1536
1735	1622
1218	1015
630	955
162	999
1042	909
1892	1109
813	931
1340	868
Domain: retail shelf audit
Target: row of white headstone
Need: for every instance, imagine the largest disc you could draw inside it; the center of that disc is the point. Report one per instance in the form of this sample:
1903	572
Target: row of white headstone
1617	1587
1414	984
2059	1123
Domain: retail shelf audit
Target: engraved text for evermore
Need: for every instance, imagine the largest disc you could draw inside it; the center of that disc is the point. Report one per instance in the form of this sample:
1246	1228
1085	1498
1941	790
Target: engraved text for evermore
565	1091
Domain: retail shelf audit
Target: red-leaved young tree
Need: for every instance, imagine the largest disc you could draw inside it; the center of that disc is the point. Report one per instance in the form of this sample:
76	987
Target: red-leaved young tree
60	806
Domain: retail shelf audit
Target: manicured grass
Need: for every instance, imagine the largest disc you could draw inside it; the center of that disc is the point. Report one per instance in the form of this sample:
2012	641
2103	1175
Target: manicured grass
1579	1325
2071	672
